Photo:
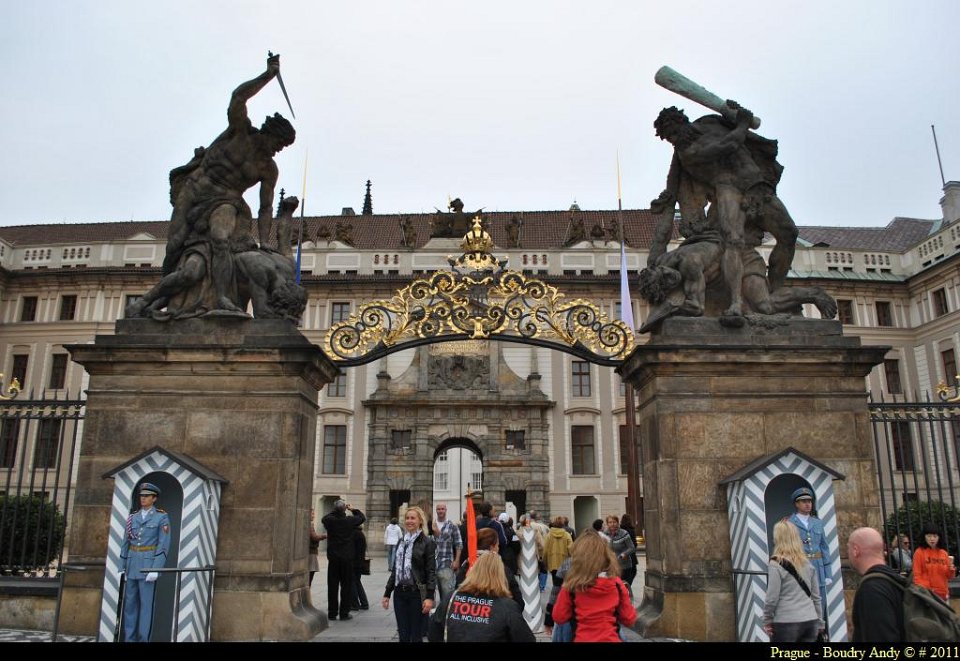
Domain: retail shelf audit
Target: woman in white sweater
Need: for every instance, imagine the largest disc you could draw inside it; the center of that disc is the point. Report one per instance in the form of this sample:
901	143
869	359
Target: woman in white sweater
792	611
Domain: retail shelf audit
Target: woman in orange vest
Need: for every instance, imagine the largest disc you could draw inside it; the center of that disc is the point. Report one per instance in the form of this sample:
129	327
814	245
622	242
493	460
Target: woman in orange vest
932	567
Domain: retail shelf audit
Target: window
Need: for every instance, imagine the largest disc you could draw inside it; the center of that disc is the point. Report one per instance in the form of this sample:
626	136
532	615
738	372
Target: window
939	303
58	371
845	312
884	314
337	387
339	312
19	371
476	480
581	378
29	310
902	445
68	307
48	444
440	482
582	445
891	369
515	440
335	449
400	439
9	434
949	367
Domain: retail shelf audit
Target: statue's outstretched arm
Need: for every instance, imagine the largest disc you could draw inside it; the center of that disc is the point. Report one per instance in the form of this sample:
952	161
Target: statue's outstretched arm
237	112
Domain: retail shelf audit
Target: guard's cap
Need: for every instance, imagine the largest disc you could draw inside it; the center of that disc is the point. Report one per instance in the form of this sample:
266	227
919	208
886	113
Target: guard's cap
803	493
148	489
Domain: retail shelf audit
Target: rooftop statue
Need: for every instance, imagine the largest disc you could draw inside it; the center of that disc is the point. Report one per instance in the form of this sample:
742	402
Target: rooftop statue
211	223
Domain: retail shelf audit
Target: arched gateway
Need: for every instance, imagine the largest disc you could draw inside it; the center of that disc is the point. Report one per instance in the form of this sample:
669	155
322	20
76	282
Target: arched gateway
458	384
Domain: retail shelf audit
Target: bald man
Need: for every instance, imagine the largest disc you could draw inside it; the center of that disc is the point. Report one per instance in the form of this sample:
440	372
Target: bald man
878	603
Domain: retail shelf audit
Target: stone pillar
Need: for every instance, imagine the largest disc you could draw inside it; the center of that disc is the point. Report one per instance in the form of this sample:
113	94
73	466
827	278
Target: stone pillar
238	395
710	401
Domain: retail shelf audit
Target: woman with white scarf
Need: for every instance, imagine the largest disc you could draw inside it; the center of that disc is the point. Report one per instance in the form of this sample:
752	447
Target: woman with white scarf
413	577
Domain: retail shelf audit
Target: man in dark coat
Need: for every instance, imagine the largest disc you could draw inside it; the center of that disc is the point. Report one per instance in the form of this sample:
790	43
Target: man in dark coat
341	554
878	604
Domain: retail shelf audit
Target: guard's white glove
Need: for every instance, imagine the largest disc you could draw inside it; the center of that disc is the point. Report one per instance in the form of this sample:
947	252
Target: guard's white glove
827	581
152	576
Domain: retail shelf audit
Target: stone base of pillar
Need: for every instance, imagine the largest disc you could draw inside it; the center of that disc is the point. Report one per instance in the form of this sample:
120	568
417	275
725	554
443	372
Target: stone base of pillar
710	401
238	396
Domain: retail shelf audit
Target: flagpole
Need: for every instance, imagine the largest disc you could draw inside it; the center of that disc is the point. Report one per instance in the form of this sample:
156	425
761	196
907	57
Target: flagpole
634	506
303	205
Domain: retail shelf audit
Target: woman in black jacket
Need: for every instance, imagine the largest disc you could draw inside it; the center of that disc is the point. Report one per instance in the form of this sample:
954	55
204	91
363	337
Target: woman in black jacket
413	578
481	609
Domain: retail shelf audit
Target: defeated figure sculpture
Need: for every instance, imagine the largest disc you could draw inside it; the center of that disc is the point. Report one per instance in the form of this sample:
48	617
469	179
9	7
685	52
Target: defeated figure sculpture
677	283
268	278
211	223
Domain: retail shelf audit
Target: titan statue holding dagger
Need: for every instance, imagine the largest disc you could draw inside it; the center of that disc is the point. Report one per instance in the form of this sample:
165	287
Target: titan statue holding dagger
724	178
213	264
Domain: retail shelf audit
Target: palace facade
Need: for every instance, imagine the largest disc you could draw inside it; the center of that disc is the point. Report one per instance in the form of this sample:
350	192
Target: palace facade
545	426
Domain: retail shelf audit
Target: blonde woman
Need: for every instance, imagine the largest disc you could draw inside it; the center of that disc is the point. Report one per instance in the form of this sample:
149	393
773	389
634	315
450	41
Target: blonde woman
593	594
413	577
792	611
482	609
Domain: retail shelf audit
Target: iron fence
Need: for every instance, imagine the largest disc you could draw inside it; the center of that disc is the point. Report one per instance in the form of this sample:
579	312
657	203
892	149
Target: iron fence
39	445
916	446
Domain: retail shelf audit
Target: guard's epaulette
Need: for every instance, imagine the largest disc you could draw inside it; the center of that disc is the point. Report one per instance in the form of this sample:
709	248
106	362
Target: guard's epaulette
161	511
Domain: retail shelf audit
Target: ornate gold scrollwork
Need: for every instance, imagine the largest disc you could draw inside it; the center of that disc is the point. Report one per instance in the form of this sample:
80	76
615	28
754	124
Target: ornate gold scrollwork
943	391
479	298
11	391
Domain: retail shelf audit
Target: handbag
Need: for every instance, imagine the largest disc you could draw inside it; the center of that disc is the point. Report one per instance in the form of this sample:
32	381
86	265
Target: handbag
365	567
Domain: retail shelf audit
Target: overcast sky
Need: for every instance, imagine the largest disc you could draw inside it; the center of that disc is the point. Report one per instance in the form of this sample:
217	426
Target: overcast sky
518	105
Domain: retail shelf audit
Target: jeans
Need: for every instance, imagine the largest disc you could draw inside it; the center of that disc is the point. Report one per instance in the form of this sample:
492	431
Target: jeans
411	622
795	632
391	555
446	582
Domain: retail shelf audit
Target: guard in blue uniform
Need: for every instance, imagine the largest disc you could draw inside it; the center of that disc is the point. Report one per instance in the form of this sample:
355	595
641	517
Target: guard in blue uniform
814	540
145	547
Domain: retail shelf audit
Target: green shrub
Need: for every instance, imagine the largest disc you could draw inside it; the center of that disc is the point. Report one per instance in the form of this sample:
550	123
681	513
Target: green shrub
913	516
31	533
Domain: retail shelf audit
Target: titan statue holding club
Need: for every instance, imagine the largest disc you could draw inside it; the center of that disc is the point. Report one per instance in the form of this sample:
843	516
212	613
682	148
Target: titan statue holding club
724	178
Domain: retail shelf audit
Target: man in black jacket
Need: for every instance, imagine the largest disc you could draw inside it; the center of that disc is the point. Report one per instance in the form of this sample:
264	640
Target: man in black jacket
341	553
878	604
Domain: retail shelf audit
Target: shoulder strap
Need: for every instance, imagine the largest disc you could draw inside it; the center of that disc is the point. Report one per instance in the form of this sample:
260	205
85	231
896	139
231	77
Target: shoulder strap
573	614
886	577
446	617
790	569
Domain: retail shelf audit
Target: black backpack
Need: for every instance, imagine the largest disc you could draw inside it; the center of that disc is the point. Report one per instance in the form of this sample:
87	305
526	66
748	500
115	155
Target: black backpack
926	617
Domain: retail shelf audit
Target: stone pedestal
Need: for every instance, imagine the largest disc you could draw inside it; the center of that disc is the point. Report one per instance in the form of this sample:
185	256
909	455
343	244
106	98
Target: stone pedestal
710	401
239	396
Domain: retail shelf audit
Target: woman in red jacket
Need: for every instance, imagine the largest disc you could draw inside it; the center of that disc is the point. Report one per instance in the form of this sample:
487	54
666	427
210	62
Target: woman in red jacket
593	597
932	567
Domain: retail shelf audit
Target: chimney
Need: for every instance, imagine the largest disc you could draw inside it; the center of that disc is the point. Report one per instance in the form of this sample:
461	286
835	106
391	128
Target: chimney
950	202
348	211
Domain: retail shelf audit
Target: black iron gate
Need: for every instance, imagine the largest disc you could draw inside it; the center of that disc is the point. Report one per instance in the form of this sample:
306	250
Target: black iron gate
917	445
39	446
